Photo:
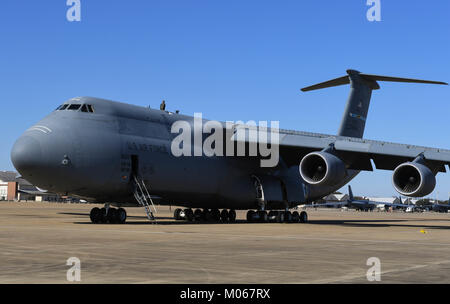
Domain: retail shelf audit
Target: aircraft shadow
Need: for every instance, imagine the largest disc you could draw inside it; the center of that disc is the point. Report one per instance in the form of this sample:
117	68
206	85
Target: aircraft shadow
378	223
165	223
351	223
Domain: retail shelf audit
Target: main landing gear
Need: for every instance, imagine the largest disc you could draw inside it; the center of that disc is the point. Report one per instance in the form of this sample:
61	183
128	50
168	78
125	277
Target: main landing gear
205	215
229	216
108	215
276	217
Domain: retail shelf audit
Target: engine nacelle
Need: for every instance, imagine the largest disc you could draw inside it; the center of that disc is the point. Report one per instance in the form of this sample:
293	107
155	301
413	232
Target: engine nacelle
322	168
413	179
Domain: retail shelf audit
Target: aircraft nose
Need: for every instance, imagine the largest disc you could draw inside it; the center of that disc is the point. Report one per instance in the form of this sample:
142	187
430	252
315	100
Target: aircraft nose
27	156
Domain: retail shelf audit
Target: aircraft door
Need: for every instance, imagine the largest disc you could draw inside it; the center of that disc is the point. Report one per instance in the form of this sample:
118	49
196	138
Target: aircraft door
134	165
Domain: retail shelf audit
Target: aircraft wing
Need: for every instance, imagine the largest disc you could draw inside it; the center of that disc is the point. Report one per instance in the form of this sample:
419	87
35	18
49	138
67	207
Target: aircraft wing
361	204
402	206
34	192
356	153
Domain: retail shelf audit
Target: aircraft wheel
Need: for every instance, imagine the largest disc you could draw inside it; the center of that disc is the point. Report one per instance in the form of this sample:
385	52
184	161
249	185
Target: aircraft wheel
209	217
198	215
303	217
102	216
215	214
224	216
280	217
189	215
176	214
262	216
121	216
272	217
250	216
287	217
232	216
112	216
182	214
95	215
295	217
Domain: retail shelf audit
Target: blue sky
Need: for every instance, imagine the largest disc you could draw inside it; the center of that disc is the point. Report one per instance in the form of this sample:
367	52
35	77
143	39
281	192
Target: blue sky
232	60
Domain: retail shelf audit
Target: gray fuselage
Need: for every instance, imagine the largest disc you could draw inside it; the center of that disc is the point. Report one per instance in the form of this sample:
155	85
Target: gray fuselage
94	154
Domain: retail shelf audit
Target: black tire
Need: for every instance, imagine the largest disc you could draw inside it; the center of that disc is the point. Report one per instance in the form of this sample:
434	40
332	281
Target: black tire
250	216
112	216
198	215
280	217
208	214
232	216
121	216
102	216
95	215
262	216
224	216
189	215
176	214
215	214
295	217
287	217
272	217
303	217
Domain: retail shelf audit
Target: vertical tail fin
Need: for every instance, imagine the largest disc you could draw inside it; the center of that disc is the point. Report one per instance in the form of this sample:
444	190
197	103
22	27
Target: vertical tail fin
354	120
350	193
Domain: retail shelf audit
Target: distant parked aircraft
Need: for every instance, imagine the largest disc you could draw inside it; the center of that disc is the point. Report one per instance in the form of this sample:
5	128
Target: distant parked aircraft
361	205
441	208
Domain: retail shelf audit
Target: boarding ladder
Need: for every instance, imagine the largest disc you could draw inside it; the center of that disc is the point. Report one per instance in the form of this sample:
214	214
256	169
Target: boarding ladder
144	198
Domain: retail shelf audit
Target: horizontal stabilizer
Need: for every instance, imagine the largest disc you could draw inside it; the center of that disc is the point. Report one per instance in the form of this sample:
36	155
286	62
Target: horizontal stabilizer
368	77
397	79
327	84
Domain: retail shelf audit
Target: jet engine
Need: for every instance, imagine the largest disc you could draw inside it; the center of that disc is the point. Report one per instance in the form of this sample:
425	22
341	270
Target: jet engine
413	179
322	168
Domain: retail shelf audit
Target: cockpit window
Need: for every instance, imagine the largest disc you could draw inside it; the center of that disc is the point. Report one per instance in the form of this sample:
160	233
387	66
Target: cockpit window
74	107
87	108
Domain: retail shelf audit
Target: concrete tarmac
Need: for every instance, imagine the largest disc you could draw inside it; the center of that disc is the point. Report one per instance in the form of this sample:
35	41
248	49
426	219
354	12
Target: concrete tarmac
36	240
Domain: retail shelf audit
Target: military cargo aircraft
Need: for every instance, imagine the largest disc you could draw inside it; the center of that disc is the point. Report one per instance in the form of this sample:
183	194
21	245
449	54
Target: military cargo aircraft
120	155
